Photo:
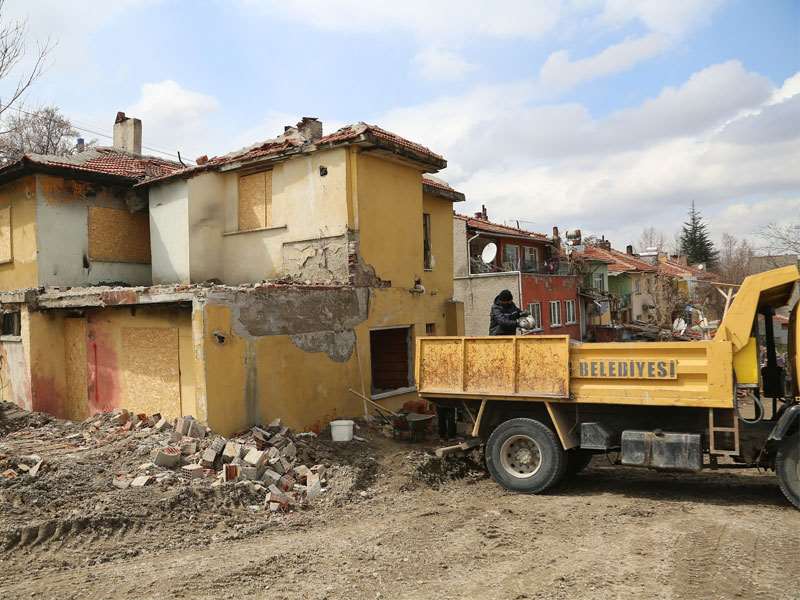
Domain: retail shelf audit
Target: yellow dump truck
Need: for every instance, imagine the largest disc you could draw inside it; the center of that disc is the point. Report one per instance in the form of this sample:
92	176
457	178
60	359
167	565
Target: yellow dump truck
541	406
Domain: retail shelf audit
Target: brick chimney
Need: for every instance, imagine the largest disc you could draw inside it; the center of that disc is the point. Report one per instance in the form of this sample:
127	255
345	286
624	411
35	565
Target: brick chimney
310	128
128	134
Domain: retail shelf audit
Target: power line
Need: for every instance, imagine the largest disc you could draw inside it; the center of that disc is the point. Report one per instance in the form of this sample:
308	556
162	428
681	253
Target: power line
105	135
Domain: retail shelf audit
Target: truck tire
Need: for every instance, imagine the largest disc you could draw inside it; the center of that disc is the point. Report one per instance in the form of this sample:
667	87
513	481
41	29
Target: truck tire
523	455
577	460
787	468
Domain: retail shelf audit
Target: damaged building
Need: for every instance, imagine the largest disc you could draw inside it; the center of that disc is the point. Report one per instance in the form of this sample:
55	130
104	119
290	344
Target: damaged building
270	282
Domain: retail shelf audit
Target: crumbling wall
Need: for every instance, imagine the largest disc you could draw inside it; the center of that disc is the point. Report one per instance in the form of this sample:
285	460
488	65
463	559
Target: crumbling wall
320	260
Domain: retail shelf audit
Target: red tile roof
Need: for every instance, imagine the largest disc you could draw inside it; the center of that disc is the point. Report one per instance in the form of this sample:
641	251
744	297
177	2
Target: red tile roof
434	185
618	262
673	268
102	161
489	227
291	142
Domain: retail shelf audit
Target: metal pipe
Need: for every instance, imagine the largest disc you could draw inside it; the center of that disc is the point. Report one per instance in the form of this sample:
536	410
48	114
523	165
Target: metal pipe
469	253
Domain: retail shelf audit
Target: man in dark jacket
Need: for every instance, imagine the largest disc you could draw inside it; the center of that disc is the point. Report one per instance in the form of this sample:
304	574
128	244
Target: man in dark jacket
504	315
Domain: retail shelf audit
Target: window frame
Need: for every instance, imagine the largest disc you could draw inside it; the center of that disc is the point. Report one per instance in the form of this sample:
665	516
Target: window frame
535	308
555	322
602	280
535	264
570	306
427	243
11	326
515	266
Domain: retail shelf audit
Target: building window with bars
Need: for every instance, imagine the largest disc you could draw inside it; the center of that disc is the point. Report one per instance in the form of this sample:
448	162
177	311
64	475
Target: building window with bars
569	306
535	309
555	313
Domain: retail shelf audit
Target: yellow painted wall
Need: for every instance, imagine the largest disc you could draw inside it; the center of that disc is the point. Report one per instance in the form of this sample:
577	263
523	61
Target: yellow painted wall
22	272
440	278
389	196
47	361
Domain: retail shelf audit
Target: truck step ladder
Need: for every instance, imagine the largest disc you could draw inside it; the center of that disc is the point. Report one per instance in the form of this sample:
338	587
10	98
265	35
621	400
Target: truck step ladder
714	429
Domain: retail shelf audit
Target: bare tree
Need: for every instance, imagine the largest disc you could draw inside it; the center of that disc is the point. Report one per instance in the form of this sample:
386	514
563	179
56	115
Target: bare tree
667	299
44	131
734	259
652	238
781	238
12	51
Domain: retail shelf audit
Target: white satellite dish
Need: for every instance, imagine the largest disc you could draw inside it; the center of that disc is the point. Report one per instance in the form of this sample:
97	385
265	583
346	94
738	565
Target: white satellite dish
489	253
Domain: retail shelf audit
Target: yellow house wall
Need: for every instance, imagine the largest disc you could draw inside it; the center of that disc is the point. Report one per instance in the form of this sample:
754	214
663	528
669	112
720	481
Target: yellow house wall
22	271
439	279
47	362
389	205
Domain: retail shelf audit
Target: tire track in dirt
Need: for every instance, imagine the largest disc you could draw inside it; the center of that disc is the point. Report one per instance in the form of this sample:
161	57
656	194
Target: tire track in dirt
720	561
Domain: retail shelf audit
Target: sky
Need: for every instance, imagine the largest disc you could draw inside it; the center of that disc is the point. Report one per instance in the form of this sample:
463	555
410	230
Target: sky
604	115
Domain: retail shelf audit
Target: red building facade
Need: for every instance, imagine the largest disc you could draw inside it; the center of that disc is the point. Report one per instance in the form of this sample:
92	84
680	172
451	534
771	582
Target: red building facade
551	297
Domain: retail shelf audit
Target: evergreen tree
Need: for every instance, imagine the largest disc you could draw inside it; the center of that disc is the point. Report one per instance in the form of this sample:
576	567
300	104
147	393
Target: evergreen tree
696	244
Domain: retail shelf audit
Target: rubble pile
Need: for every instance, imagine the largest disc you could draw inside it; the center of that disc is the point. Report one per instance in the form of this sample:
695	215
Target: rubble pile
262	460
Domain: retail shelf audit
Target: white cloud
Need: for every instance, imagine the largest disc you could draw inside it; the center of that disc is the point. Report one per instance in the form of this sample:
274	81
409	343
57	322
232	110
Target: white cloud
672	17
715	139
559	73
439	64
174	118
443	19
68	25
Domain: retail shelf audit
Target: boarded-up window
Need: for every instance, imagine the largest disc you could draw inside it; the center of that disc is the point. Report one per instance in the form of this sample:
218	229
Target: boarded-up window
118	235
255	201
151	369
391	359
6	254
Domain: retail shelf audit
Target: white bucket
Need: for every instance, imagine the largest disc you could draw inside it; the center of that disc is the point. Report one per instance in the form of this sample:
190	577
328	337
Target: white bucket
342	431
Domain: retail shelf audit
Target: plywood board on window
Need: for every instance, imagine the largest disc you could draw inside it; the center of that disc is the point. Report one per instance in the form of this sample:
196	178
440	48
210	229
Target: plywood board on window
255	200
151	370
6	254
77	404
118	235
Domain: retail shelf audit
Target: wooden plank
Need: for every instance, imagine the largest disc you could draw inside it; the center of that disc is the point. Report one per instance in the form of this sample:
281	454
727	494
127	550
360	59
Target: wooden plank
255	201
118	235
150	364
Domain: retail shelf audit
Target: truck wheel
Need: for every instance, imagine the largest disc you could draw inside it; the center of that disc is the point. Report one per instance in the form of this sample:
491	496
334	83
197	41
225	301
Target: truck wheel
523	455
787	468
577	460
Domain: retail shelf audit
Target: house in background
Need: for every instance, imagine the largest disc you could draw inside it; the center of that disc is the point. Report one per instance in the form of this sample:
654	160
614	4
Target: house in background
629	281
526	263
285	275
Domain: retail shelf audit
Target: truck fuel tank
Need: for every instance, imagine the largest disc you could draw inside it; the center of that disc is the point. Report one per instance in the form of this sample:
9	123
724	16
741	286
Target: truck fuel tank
662	451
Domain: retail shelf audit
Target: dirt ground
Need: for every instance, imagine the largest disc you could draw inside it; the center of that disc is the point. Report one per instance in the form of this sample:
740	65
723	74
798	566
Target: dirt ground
391	525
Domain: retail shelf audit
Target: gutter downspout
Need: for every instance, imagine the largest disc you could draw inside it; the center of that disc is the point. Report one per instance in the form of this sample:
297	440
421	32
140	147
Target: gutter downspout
469	259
